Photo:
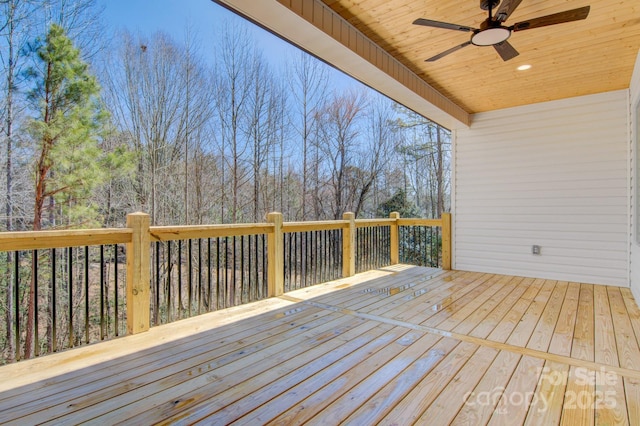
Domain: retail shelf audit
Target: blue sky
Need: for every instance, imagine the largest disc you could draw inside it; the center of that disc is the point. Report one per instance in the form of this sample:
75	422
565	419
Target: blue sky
172	16
203	16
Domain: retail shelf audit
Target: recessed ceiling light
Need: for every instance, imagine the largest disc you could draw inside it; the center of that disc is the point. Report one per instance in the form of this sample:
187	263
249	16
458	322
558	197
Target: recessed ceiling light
524	67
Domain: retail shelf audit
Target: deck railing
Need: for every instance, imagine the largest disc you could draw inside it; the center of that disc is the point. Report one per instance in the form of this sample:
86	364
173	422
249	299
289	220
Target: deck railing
76	287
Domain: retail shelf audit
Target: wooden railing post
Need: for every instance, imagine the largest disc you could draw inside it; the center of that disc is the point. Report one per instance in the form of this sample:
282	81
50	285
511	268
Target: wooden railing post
349	246
446	241
138	263
395	242
275	253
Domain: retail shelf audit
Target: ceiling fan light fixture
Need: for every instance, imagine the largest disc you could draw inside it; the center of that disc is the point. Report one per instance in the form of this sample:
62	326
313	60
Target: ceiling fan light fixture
490	36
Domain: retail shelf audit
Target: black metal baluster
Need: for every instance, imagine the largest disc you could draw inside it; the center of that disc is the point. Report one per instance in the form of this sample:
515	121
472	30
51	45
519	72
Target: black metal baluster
265	290
86	294
337	251
303	259
371	248
374	244
364	250
179	307
436	248
428	245
301	275
432	244
233	272
209	278
156	308
16	295
438	251
70	293
199	275
379	236
250	269
361	245
319	259
367	249
36	345
115	291
257	280
242	284
105	273
323	269
308	259
377	246
358	250
295	261
381	246
189	278
329	255
102	292
226	271
401	244
54	303
429	261
167	292
298	260
300	282
312	260
415	245
218	273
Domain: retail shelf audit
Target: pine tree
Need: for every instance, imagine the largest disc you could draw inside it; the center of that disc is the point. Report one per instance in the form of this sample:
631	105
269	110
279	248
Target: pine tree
66	127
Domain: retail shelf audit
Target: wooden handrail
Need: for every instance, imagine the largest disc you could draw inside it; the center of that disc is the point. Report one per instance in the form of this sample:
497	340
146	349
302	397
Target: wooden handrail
36	240
323	225
365	223
170	233
419	222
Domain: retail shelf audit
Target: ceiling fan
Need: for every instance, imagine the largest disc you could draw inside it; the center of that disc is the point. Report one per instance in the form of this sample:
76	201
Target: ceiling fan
493	33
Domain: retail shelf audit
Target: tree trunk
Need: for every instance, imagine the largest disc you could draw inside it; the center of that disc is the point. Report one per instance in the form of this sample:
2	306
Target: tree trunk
10	307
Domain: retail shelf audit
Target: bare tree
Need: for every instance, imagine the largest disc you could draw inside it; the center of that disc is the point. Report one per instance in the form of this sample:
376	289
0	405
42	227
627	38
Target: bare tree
374	151
196	113
146	96
234	87
308	79
425	152
81	20
259	110
339	132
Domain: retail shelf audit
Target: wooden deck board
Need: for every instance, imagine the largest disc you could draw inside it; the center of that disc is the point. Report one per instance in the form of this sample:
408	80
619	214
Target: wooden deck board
392	346
562	339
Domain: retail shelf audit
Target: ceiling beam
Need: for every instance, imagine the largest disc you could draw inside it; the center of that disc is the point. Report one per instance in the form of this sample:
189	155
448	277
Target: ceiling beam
314	27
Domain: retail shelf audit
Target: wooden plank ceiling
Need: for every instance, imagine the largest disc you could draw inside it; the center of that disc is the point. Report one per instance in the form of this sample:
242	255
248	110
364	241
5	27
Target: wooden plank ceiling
570	59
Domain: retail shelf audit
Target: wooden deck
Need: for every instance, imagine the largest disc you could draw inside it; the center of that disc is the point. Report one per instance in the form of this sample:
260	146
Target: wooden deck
401	345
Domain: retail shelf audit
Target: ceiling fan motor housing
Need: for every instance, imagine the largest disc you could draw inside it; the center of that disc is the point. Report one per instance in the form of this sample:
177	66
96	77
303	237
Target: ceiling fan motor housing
484	4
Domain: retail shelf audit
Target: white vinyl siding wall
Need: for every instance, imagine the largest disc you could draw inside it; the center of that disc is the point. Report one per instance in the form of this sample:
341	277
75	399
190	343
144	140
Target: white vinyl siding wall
553	174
